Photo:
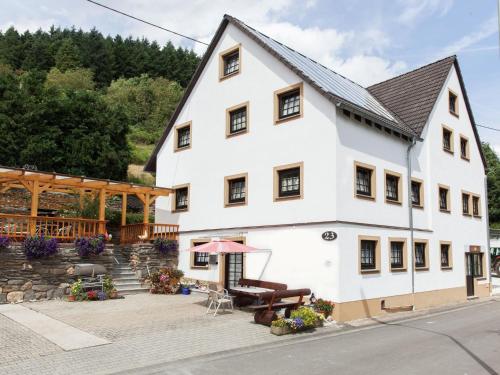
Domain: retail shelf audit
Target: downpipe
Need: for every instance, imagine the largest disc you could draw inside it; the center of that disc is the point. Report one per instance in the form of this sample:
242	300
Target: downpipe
410	220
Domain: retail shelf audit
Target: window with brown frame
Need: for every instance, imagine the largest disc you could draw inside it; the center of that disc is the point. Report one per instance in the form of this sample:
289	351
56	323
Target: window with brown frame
237	120
199	259
180	200
465	203
182	136
417	198
447	139
453	103
393	187
288	181
235	190
369	254
421	254
364	176
288	103
230	62
446	255
464	148
444	198
476	206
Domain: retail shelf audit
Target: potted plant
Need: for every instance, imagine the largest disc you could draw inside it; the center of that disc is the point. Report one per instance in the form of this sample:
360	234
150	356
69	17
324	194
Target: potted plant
86	246
308	318
324	307
36	247
76	290
280	327
108	286
185	290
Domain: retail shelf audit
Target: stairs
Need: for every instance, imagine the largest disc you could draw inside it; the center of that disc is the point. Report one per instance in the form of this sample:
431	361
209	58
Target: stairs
125	280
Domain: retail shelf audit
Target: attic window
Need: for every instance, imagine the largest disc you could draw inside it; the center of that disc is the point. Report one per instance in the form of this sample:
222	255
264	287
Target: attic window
447	139
453	103
368	122
288	103
346	113
230	63
378	126
357	118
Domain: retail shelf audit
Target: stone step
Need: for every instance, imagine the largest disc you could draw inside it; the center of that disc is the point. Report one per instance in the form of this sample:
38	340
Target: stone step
120	286
127	275
125	279
133	291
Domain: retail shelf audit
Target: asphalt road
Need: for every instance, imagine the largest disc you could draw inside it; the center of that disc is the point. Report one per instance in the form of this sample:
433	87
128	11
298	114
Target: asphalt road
463	341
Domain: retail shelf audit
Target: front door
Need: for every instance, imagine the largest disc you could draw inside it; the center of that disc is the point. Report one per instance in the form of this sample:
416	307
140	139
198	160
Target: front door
233	269
474	264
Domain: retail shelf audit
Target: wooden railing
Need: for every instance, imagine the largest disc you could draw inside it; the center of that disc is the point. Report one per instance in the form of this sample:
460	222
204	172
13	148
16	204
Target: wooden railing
133	233
63	228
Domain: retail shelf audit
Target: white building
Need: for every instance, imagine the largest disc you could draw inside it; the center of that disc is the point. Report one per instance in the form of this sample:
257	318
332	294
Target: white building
271	148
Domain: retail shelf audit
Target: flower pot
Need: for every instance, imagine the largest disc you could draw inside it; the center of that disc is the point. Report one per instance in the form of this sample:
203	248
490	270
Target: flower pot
71	298
185	291
113	294
280	331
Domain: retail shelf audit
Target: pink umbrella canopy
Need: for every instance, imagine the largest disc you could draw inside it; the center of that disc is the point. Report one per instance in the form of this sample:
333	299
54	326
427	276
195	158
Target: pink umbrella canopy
222	246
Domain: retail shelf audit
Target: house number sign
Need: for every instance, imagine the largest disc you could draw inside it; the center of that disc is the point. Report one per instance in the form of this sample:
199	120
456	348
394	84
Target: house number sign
329	235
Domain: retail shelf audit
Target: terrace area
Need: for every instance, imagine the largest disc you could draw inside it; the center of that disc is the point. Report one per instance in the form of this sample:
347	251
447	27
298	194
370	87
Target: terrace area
67	229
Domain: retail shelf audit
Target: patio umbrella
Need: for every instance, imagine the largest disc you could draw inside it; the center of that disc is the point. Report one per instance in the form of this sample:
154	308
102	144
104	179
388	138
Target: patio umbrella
222	246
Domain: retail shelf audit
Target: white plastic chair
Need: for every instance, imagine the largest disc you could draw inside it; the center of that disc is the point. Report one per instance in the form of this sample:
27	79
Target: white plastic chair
218	299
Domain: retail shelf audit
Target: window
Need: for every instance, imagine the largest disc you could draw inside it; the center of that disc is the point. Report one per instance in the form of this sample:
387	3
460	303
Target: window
364	180
393	187
235	190
288	103
199	259
180	201
369	254
417	199
397	254
447	139
421	254
446	256
476	206
465	203
464	148
237	120
288	181
475	265
453	103
182	136
444	198
230	63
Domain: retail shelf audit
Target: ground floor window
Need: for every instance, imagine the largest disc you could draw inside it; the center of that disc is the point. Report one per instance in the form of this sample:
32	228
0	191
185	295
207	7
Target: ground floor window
397	254
445	255
420	255
200	259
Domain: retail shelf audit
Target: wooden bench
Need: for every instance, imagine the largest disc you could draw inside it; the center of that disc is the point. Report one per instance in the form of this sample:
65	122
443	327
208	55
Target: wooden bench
266	313
245	300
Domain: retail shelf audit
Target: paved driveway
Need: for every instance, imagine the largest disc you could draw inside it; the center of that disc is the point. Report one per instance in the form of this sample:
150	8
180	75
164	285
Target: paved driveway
143	329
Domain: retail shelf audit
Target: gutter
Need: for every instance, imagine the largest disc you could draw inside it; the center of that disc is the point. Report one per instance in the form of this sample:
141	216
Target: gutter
410	219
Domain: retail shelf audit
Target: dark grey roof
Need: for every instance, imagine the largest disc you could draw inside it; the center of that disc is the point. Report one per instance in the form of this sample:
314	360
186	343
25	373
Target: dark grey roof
411	96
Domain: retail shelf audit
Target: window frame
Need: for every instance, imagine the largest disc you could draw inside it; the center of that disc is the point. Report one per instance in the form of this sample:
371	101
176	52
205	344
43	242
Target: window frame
276	181
448	199
192	265
373	181
478	197
404	254
467	149
450	255
277	101
227	191
469	203
377	254
452	139
399	187
235	108
426	266
182	126
421	193
452	93
223	55
174	208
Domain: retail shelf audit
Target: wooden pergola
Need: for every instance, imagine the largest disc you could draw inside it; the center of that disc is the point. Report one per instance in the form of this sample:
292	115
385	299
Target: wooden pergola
37	182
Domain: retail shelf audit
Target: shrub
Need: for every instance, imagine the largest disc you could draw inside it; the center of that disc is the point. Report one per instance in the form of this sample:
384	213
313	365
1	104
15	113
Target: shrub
307	316
165	281
108	285
91	295
77	289
280	322
4	242
89	245
37	247
101	296
324	306
165	246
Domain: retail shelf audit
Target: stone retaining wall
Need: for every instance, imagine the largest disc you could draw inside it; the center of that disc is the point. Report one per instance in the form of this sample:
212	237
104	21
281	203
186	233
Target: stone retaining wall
25	280
144	256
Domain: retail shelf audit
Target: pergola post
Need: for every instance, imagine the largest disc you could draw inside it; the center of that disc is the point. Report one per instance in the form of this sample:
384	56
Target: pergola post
145	221
124	209
102	211
35	192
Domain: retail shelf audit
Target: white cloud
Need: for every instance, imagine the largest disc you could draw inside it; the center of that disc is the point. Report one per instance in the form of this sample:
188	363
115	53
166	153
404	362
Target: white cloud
487	29
417	9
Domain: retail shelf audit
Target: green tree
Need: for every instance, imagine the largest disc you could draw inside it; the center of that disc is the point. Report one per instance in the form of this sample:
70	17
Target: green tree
493	178
67	56
78	79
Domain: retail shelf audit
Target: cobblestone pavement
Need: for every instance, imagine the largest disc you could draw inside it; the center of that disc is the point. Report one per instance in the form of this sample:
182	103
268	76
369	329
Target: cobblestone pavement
144	330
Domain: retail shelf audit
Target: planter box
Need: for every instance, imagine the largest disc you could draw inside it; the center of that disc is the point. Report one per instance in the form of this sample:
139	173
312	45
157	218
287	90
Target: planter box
280	331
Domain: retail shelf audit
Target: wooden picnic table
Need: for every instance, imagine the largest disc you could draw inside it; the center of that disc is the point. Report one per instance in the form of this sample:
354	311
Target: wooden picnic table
250	291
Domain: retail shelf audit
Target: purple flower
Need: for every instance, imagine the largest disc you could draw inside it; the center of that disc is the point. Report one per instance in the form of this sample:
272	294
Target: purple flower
101	296
89	245
165	246
37	247
4	242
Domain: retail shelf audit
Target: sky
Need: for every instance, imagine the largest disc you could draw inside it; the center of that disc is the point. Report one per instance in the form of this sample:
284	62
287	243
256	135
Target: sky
366	40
